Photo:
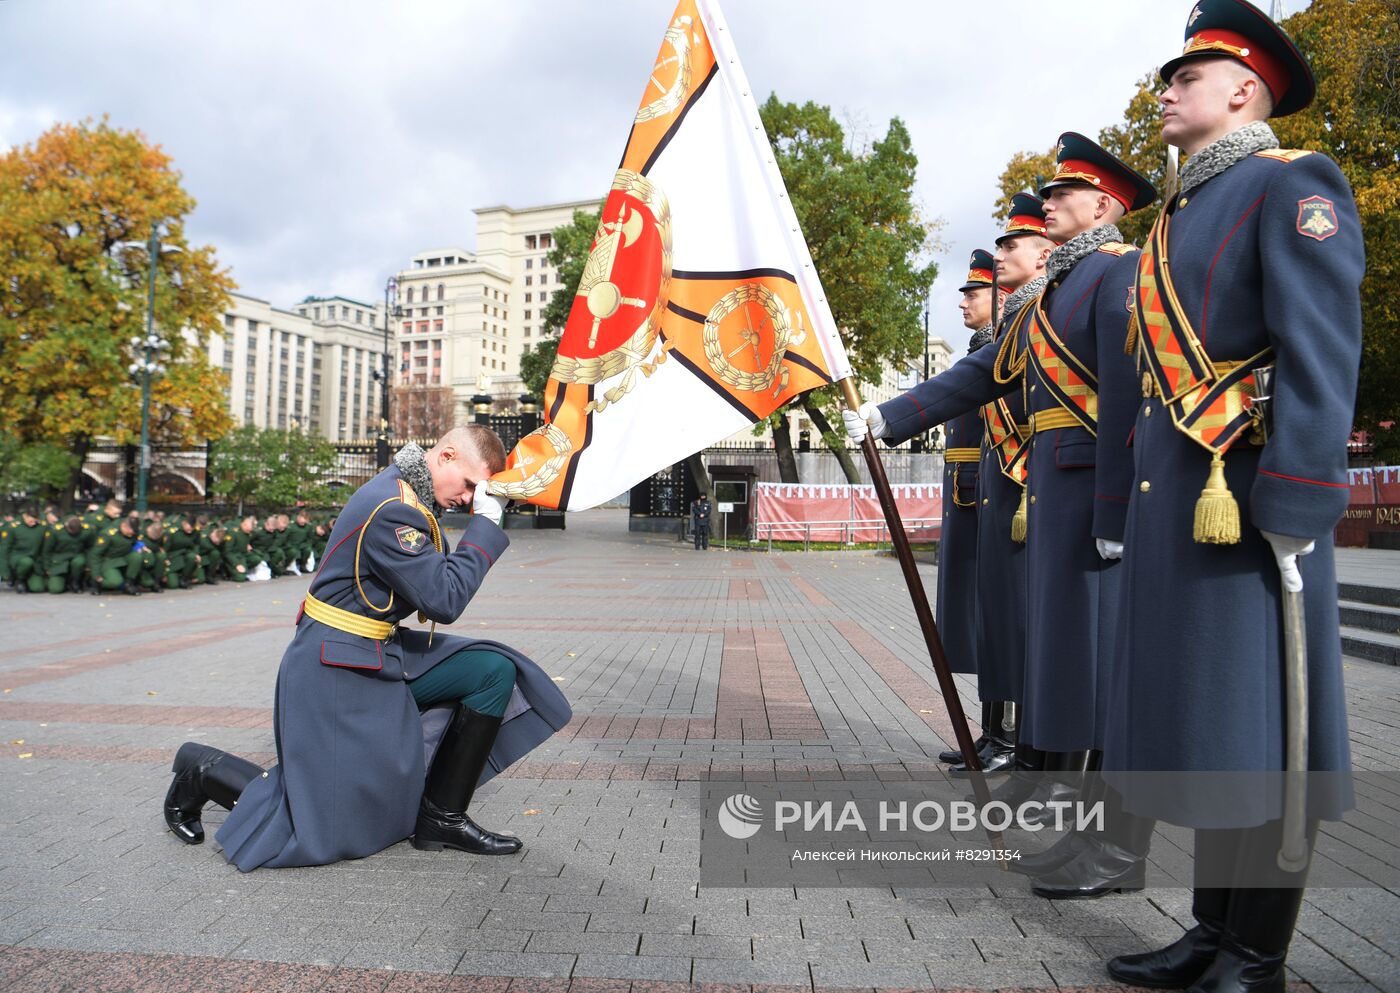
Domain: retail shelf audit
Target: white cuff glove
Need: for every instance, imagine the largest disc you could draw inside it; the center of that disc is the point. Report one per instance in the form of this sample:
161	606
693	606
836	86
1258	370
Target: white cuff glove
1286	551
868	418
492	508
1109	550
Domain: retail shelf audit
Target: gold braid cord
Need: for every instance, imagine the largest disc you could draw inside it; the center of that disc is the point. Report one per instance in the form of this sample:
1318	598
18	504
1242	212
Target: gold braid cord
539	480
777	311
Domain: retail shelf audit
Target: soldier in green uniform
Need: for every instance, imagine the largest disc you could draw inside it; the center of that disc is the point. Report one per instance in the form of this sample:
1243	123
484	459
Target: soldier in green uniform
182	551
211	552
267	547
107	560
7	524
147	565
65	556
26	552
239	556
299	536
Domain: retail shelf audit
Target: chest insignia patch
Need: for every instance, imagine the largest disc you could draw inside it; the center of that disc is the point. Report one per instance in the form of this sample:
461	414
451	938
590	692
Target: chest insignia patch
1317	218
411	539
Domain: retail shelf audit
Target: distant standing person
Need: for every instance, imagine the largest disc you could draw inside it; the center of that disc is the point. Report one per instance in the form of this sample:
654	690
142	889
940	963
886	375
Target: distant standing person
700	522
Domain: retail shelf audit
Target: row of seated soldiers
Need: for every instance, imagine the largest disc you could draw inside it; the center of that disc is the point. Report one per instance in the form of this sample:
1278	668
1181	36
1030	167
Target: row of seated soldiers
108	550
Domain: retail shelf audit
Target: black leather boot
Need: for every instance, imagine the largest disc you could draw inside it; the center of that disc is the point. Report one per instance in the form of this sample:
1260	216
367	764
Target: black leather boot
203	773
1070	847
1116	861
953	755
1255	944
457	767
999	752
1185	960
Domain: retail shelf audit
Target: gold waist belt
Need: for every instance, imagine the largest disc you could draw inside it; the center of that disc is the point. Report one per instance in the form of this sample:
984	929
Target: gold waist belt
344	620
1052	420
962	455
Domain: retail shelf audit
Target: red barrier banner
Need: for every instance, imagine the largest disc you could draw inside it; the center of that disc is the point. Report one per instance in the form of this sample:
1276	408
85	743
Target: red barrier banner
812	512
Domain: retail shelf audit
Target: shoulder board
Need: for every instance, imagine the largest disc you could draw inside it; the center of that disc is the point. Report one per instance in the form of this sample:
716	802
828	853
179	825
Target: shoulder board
1284	154
407	495
87	527
56	527
1117	248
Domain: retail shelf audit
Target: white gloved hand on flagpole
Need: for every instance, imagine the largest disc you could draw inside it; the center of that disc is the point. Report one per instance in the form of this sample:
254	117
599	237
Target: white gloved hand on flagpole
868	418
493	508
1109	550
1286	551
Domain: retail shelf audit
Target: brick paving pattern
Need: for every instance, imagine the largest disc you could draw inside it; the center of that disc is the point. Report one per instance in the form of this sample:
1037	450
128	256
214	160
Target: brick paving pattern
683	667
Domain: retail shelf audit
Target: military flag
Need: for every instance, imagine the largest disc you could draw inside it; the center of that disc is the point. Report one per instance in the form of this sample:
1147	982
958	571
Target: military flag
699	312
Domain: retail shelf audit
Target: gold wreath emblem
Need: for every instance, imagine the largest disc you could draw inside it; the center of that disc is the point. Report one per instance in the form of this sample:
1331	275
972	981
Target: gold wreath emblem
677	39
539	480
604	299
779	319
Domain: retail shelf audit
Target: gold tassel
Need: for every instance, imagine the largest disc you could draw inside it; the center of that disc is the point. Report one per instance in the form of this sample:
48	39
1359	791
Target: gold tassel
1217	513
1130	343
1020	520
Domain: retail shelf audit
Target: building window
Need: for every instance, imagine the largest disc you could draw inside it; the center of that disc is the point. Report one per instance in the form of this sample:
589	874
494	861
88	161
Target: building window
407	327
442	291
252	326
410	294
529	297
359	317
422	327
544	241
529	280
544	297
485	307
228	321
528	313
438	311
437	326
529	263
527	330
530	241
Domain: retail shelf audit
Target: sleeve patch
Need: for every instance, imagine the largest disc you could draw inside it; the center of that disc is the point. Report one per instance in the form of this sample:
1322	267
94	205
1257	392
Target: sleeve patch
1317	218
411	540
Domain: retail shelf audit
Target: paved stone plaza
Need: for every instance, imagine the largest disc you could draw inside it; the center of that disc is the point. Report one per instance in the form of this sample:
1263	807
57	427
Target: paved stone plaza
682	666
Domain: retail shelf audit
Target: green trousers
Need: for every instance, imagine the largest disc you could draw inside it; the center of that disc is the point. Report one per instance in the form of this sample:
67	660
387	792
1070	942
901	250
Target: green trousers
25	570
476	678
146	569
62	573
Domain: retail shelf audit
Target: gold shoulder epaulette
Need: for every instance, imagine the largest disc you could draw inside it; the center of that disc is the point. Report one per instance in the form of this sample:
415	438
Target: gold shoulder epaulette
1285	154
407	495
1117	248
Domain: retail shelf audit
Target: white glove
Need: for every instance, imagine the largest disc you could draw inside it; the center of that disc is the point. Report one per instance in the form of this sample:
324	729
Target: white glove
868	418
1286	551
1109	551
493	508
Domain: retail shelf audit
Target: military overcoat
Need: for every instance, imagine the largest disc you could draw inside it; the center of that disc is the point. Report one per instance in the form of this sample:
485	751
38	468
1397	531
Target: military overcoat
956	606
352	746
1268	253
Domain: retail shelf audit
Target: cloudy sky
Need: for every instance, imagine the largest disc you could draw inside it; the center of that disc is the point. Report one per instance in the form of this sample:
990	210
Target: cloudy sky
327	142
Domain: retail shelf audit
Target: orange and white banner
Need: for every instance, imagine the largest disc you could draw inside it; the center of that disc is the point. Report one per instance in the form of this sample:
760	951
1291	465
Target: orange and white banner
699	312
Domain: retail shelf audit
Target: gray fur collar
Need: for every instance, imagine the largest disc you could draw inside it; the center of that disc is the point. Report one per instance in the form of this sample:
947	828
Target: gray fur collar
1224	152
1021	296
980	337
1067	256
412	461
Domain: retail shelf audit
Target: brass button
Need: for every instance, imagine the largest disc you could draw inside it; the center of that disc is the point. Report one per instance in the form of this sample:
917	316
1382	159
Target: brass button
1032	498
1145	486
1183	201
985	501
1146	411
264	775
1032	387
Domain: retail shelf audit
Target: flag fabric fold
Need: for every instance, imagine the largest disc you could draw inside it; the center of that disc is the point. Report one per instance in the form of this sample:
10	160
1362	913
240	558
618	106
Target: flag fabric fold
699	311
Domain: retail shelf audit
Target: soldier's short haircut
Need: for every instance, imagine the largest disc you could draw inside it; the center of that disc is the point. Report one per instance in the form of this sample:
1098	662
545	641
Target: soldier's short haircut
481	441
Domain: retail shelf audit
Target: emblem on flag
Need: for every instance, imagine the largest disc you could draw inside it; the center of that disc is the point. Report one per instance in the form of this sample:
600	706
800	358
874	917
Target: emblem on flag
1317	218
699	311
410	539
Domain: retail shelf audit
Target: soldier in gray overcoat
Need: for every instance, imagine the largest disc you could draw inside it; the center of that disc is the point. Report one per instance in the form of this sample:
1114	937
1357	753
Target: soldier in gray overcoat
363	706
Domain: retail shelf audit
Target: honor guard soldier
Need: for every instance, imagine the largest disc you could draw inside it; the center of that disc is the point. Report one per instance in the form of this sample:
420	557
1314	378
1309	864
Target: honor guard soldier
957	541
1248	335
358	695
1068	345
1021	253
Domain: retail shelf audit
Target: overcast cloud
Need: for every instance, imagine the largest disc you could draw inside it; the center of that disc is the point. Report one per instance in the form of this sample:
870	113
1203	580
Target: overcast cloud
327	142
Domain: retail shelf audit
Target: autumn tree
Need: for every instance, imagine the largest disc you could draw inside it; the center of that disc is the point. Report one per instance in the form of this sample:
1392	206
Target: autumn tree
35	470
1354	49
77	207
422	411
272	468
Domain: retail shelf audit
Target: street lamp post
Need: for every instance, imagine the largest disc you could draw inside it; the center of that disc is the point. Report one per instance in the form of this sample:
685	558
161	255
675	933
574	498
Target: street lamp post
150	344
382	444
920	442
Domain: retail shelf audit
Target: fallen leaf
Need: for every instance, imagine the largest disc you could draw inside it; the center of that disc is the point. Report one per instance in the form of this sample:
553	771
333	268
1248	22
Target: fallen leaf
9	691
26	755
150	692
925	711
571	654
558	679
17	741
531	812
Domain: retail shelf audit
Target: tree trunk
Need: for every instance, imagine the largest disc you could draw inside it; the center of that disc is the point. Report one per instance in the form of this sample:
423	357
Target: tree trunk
696	464
782	442
78	446
842	453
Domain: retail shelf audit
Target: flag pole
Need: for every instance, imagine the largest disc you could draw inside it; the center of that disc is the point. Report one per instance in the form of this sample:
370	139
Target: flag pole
956	716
